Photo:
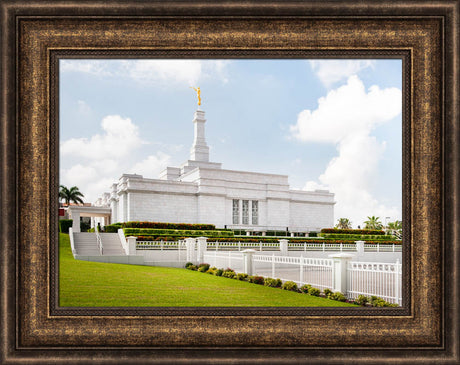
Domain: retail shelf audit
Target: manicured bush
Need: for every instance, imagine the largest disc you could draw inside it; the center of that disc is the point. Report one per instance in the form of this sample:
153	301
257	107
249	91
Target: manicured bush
203	267
314	291
112	228
256	279
312	234
228	274
327	292
64	225
289	285
362	300
84	226
211	271
305	288
379	302
162	225
357	237
192	267
338	296
219	272
242	276
188	264
352	231
176	232
274	283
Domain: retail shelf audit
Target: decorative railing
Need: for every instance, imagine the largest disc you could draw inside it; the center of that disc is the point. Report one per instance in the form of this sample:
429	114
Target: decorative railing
380	279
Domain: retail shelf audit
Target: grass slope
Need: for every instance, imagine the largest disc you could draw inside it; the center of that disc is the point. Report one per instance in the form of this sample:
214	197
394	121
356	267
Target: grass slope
93	284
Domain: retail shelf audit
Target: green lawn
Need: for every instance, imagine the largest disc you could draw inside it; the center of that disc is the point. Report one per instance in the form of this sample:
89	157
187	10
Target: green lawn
93	284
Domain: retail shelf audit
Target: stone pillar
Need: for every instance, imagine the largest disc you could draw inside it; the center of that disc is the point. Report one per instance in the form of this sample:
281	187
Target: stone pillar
292	234
264	233
248	233
248	262
190	244
131	241
202	244
76	222
339	271
284	247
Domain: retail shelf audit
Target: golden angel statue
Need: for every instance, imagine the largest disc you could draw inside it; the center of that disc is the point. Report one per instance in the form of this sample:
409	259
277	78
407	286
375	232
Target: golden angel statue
198	93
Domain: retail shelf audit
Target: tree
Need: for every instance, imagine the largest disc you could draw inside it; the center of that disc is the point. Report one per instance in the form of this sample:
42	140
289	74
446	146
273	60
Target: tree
70	195
395	228
373	223
343	223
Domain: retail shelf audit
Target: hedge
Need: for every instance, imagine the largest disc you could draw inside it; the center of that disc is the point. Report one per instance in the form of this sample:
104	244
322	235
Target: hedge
161	225
256	241
64	225
352	231
112	228
357	237
175	232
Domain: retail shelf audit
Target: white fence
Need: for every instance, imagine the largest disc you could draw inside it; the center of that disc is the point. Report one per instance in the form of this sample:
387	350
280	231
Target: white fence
338	273
379	279
301	270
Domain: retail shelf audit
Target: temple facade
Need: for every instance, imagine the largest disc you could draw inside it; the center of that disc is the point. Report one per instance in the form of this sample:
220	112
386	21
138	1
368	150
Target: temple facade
200	191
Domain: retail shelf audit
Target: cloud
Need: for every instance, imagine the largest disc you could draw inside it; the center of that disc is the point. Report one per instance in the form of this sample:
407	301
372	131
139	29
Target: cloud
152	165
162	72
120	137
347	110
346	118
332	71
104	157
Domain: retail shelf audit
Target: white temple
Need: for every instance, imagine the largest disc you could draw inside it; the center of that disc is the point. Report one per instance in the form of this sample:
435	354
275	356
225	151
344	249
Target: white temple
200	191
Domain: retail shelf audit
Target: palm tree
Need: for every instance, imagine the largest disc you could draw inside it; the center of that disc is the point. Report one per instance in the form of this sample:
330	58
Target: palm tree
70	195
373	223
395	228
343	223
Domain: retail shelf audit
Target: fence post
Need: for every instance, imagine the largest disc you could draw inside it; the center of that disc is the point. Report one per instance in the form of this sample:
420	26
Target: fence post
190	244
284	247
131	241
201	243
260	245
301	270
378	247
360	248
339	271
248	261
239	246
397	271
393	247
273	266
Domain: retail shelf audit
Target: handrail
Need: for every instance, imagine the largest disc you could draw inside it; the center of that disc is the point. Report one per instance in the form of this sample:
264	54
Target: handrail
72	242
99	240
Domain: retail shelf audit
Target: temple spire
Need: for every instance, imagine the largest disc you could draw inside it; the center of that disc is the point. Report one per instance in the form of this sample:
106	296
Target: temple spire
200	150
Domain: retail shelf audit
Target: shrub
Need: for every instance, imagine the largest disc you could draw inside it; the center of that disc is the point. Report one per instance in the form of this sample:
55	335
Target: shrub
314	291
362	300
203	267
379	302
188	264
192	267
338	296
112	228
228	274
242	276
352	231
64	225
161	225
212	271
219	272
256	280
327	292
305	288
274	283
289	285
312	234
84	226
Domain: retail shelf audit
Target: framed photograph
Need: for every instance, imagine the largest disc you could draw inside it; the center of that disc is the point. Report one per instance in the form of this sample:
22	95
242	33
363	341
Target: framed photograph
52	51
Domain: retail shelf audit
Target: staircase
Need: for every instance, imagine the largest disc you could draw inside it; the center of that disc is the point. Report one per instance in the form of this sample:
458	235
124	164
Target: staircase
86	244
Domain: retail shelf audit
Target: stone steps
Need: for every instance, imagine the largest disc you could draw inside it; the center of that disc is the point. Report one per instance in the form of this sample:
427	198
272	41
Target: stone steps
86	244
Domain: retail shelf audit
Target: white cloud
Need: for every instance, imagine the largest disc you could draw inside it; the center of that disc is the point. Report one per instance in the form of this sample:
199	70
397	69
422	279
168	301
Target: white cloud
120	137
346	118
103	158
332	71
152	165
162	72
83	108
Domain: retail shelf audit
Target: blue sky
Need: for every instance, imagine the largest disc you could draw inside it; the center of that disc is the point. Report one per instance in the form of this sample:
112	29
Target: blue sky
332	124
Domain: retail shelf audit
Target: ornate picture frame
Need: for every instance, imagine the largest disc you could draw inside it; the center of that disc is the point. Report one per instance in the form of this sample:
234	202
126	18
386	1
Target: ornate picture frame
36	35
